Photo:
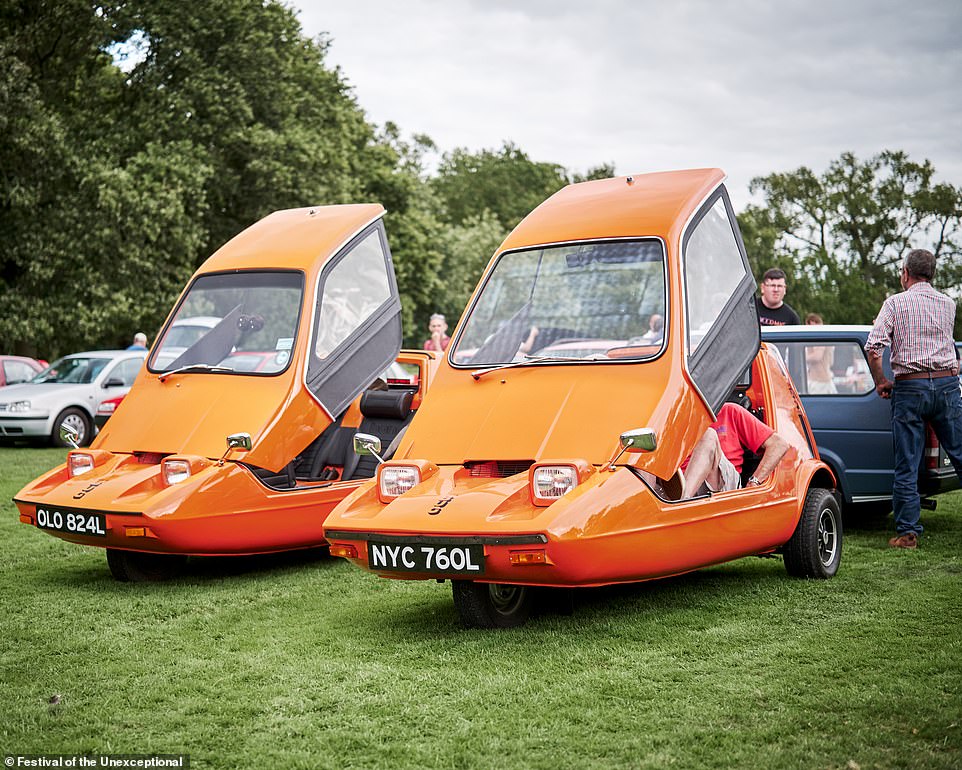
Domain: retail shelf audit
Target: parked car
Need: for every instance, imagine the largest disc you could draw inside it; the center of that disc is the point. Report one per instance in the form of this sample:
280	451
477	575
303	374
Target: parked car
68	391
851	423
17	369
238	439
533	468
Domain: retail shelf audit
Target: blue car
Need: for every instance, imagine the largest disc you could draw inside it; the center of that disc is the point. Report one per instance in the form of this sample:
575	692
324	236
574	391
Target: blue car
851	423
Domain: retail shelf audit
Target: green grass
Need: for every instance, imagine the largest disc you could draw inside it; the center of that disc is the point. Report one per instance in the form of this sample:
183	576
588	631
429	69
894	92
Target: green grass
303	662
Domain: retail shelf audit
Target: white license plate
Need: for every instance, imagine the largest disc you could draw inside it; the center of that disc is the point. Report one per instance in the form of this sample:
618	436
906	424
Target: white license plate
72	521
453	559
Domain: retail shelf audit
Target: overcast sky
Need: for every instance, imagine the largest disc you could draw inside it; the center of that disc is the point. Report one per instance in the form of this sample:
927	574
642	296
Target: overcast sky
753	86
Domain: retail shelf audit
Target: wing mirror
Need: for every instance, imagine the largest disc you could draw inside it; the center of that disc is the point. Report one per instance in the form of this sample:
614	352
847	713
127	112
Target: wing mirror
69	436
366	444
240	441
634	441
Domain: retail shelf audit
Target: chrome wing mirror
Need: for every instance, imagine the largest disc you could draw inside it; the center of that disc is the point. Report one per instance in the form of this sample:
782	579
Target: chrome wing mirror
70	436
239	441
366	444
634	441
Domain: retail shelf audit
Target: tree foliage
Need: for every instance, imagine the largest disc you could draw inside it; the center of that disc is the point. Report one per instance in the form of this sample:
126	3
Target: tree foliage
841	235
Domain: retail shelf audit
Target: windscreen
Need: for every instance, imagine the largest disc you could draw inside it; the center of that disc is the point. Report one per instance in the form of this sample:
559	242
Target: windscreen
241	323
74	369
595	301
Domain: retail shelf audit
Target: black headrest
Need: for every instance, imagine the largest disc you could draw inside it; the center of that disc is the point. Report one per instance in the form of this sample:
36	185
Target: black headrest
395	404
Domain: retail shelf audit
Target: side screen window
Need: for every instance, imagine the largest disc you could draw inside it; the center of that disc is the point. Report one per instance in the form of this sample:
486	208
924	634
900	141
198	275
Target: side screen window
828	369
356	287
713	271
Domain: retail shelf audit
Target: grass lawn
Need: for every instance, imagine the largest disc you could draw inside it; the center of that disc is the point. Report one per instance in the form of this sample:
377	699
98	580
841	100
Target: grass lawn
302	661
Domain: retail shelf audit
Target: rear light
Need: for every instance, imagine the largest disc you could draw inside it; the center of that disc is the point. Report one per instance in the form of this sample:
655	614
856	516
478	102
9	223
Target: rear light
344	551
931	449
79	463
107	407
549	482
175	471
395	480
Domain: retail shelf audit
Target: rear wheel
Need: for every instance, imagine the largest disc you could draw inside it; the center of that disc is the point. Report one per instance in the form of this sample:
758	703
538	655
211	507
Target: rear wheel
137	567
77	420
491	605
815	548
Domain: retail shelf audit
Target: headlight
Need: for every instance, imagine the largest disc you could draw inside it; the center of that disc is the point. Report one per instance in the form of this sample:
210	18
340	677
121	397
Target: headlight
395	480
175	471
79	462
549	482
18	406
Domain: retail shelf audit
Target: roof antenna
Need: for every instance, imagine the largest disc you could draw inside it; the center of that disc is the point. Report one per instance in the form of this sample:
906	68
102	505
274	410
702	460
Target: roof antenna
630	180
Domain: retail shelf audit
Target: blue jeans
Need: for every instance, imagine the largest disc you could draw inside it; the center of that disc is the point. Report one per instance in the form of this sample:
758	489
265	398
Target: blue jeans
915	402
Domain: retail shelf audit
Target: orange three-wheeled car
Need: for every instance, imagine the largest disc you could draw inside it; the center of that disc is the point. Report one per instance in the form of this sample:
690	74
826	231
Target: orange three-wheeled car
236	437
604	336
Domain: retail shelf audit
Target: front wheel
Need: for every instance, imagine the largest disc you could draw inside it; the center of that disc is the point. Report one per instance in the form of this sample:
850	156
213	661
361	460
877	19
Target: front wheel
77	420
491	605
137	567
815	548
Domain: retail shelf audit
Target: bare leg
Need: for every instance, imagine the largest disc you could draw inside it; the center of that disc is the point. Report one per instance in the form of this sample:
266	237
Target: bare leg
703	465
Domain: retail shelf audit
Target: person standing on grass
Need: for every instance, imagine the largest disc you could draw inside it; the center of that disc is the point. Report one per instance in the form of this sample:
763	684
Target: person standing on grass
917	324
772	310
439	339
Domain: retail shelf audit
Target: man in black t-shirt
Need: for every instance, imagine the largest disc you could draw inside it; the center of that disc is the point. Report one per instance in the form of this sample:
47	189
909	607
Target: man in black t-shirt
772	310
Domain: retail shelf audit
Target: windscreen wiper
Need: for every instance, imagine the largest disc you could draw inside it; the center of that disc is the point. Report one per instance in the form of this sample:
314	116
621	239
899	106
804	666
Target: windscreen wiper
195	368
479	373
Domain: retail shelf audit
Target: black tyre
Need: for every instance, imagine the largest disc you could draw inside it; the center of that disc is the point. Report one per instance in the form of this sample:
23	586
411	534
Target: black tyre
491	605
815	548
136	567
76	419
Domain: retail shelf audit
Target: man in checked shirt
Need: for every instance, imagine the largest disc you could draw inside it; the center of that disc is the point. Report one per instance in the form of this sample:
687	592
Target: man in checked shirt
918	325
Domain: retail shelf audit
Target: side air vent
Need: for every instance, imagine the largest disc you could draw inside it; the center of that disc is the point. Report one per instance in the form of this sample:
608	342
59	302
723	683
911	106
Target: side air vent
498	469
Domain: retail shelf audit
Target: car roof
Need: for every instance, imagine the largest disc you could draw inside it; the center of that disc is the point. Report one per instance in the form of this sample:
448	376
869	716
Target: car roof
293	238
658	204
107	353
816	329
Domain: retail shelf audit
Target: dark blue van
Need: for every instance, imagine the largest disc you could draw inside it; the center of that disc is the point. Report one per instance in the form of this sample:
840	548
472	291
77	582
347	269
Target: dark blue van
851	423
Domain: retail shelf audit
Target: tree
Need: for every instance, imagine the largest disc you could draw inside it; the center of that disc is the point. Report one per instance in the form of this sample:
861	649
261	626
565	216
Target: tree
506	182
117	182
841	236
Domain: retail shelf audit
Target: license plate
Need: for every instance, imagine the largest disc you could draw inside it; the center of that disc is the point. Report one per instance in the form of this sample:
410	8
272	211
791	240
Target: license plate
463	559
72	522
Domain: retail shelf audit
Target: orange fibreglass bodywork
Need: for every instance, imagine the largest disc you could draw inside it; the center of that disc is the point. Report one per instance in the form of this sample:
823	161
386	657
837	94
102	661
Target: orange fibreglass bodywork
221	509
612	527
192	415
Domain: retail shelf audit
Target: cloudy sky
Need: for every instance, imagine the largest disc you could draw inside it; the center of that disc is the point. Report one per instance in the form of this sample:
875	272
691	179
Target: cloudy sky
752	86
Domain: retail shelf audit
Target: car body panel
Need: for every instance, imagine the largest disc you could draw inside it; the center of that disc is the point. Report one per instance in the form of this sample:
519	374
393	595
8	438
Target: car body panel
852	427
483	431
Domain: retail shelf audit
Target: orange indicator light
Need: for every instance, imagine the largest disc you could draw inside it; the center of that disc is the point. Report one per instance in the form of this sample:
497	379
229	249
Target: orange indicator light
344	551
135	531
528	557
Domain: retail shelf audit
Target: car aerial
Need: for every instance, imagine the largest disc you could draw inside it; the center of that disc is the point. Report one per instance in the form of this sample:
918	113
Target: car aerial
17	369
851	422
531	467
209	455
68	391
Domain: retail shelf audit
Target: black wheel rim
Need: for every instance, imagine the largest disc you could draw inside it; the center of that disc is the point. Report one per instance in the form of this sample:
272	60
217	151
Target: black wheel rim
505	599
827	537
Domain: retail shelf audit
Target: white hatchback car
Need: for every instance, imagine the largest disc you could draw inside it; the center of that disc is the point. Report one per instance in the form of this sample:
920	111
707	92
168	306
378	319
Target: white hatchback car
68	391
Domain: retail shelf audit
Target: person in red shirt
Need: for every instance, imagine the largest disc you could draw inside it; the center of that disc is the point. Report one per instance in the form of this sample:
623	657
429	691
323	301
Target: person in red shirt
715	465
438	326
